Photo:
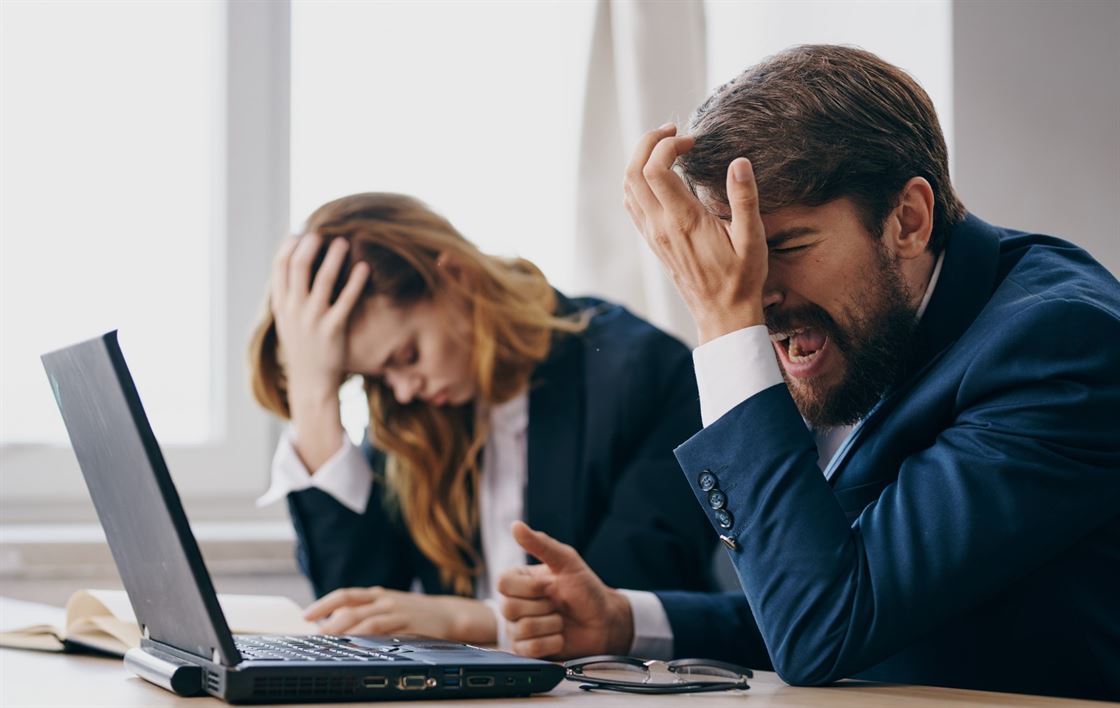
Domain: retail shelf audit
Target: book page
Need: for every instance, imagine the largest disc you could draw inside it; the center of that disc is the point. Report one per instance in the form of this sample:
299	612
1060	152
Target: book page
104	620
43	637
17	630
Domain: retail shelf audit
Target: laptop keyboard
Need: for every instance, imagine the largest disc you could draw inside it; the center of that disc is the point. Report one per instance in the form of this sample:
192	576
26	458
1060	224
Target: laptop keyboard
309	648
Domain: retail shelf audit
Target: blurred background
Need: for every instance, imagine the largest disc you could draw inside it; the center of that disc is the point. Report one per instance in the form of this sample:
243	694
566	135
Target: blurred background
153	155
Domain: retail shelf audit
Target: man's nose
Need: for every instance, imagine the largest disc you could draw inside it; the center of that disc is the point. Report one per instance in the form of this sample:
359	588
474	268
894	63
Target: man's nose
771	293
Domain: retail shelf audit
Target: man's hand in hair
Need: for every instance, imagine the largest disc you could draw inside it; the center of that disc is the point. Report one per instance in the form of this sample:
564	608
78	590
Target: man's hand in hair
717	266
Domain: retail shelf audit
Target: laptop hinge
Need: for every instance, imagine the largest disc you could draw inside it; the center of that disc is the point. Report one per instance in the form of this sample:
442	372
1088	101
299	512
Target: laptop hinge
166	671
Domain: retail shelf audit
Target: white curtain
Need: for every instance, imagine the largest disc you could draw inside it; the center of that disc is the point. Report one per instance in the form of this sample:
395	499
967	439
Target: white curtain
647	66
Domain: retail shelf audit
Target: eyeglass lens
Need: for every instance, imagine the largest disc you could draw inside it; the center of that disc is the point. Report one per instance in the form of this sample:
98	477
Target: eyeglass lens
658	673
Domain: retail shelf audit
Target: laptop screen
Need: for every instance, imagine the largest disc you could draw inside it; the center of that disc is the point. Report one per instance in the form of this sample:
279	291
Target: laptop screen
152	545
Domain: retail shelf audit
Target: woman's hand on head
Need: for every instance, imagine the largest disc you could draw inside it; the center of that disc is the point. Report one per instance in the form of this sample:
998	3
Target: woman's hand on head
312	336
312	330
377	610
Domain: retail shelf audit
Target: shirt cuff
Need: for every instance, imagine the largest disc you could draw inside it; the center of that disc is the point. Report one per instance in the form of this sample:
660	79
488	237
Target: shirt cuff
653	636
732	368
346	476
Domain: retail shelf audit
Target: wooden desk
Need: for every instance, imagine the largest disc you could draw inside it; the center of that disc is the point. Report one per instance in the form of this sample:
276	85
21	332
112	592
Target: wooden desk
30	678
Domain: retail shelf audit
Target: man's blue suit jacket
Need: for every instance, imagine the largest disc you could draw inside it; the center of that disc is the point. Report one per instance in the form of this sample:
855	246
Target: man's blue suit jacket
969	532
606	410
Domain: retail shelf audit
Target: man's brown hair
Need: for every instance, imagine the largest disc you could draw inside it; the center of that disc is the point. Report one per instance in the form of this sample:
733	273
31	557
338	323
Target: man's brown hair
820	122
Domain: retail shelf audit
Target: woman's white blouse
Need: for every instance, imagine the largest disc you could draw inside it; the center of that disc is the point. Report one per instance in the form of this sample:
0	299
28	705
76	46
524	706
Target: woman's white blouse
347	476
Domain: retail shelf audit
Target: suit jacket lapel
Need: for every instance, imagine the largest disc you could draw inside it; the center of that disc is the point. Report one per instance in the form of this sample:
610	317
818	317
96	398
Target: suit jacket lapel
968	276
556	417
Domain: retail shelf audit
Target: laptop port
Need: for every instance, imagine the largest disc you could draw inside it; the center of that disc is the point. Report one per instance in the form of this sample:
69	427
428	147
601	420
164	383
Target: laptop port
375	681
480	681
452	678
415	682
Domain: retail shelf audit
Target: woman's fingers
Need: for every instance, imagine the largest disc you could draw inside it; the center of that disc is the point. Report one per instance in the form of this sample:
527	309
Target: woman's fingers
327	275
342	597
379	624
280	272
347	618
299	265
355	284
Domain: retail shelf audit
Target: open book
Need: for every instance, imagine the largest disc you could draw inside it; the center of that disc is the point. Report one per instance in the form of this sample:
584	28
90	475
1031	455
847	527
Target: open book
103	620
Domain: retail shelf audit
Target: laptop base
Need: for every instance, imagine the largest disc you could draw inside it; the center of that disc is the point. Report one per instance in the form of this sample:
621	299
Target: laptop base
304	682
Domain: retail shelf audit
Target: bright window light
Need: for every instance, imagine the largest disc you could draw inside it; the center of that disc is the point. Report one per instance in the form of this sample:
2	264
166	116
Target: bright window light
474	108
108	130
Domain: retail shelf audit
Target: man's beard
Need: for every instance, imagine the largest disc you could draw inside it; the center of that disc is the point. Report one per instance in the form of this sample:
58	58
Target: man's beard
877	346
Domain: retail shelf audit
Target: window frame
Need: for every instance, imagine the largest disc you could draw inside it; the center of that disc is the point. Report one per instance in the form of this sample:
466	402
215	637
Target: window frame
221	478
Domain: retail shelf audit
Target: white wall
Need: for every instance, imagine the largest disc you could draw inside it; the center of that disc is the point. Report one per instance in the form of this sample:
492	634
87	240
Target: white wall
914	35
1037	117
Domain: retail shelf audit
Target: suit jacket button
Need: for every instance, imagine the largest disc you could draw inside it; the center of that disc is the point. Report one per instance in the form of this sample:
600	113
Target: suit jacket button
723	516
707	481
717	499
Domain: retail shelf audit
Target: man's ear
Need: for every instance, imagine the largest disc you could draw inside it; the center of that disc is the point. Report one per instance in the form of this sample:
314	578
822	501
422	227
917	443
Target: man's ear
910	223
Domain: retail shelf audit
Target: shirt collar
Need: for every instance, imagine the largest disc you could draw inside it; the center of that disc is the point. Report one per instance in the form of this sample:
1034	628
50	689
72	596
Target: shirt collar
932	284
511	417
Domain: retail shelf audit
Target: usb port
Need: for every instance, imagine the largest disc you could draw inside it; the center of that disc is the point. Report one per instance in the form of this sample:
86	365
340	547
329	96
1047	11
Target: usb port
451	682
375	681
480	681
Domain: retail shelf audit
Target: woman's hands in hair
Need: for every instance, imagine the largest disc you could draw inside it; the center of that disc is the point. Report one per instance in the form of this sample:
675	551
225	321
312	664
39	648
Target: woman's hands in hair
377	610
312	335
718	266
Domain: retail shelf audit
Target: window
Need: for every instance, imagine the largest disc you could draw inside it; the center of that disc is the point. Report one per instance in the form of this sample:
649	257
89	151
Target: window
128	135
109	216
474	108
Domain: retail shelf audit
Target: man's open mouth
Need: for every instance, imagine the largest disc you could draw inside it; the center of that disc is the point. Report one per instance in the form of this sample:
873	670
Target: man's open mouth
801	345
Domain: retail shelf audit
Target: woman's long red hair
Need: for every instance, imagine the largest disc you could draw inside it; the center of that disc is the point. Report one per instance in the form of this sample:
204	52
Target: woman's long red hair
432	472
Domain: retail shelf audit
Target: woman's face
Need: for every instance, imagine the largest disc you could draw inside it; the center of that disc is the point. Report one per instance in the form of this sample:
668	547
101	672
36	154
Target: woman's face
421	351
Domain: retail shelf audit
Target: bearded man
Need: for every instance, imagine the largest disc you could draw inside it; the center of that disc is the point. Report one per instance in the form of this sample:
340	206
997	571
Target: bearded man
911	443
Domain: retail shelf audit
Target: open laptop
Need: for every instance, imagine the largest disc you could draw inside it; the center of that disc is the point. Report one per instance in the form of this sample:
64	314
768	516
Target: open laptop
187	646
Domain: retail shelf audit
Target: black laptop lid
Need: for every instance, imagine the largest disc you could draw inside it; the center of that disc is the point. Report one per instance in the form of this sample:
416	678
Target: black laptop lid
151	542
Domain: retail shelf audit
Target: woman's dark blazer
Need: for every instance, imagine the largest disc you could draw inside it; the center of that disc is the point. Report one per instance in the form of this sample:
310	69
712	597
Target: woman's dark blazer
606	410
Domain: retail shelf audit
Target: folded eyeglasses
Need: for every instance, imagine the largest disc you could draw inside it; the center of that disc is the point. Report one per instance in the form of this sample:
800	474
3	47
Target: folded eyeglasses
632	675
